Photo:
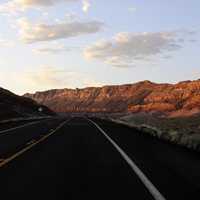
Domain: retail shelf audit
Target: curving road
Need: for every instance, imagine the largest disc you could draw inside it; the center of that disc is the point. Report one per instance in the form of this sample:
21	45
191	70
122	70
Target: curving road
82	158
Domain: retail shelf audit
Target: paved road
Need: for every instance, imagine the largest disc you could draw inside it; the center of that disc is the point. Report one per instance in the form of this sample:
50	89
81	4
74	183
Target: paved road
62	159
11	124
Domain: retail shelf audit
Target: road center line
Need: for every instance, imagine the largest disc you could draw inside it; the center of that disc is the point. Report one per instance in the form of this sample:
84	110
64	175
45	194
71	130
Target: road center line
5	132
11	158
148	184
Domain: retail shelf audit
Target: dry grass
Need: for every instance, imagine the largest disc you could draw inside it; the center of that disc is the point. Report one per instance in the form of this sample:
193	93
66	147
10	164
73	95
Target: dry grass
183	131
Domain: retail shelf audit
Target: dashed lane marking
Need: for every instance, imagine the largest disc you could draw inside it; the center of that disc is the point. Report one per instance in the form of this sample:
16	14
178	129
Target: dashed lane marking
8	131
24	150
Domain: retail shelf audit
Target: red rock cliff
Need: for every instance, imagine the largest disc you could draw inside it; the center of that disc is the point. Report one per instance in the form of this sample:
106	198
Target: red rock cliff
170	99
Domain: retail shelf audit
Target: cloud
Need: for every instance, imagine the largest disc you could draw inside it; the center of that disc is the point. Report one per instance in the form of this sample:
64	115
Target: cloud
127	49
86	5
42	2
45	78
30	32
132	9
48	77
17	6
6	43
56	49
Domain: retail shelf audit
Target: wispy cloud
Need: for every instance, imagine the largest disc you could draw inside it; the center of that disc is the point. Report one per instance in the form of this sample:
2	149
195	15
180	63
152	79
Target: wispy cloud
132	9
31	32
51	50
17	6
49	77
125	49
45	78
6	43
86	5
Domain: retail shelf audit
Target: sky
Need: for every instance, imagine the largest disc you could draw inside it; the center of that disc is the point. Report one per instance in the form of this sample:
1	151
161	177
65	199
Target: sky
48	44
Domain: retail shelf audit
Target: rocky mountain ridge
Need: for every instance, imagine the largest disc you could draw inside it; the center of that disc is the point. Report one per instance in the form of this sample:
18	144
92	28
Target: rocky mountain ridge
14	106
172	100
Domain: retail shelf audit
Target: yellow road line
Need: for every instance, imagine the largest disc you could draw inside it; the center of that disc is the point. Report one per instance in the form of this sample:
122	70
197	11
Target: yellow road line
11	158
9	131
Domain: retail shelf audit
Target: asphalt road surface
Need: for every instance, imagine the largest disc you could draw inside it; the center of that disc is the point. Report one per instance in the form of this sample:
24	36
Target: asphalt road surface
82	159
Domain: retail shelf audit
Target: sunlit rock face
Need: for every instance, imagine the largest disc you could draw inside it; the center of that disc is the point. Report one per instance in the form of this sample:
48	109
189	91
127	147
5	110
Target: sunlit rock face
182	99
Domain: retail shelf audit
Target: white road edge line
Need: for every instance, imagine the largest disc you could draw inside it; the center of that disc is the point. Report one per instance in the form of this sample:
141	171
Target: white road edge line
148	184
5	132
11	158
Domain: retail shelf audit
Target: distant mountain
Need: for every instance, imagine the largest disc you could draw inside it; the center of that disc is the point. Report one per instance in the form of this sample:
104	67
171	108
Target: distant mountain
13	106
172	100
